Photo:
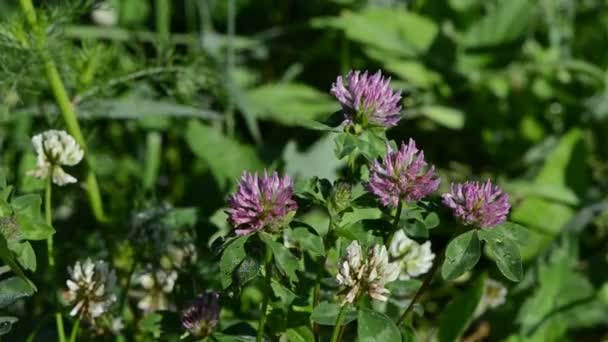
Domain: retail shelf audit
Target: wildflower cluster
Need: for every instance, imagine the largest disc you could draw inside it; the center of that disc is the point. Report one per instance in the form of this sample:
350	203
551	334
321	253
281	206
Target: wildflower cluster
394	183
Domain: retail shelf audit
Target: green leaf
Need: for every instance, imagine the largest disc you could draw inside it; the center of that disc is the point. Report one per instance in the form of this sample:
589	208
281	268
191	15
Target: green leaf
6	323
300	334
374	326
431	220
285	295
326	314
247	270
231	258
25	254
290	103
459	313
461	255
505	252
317	161
445	116
308	241
217	336
507	21
397	31
33	228
286	262
514	232
12	289
151	324
226	157
7	257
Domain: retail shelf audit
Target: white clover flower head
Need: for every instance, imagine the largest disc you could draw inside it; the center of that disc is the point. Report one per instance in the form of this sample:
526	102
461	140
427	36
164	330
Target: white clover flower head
55	149
156	285
90	289
104	14
413	258
366	276
494	295
182	254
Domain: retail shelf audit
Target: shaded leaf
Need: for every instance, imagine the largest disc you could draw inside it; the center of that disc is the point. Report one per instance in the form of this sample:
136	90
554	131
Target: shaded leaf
326	314
459	313
231	258
461	255
374	326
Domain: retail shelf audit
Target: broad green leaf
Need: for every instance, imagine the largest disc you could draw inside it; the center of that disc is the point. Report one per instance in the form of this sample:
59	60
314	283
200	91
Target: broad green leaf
25	254
459	313
431	220
33	228
307	241
445	116
285	295
231	258
326	314
12	289
6	323
7	257
300	334
317	161
373	326
396	31
290	103
151	324
461	255
247	270
226	157
134	107
27	204
286	262
565	166
514	232
506	22
504	251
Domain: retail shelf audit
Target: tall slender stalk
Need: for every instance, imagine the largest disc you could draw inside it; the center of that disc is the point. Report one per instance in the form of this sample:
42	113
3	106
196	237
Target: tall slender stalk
338	326
48	215
49	218
268	278
65	106
231	28
425	285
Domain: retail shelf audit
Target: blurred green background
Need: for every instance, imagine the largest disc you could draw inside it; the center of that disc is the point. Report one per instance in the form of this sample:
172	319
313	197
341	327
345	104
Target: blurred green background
177	98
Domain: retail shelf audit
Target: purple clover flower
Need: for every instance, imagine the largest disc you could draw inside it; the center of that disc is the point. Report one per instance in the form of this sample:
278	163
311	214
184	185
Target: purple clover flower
202	315
261	202
479	204
402	176
367	99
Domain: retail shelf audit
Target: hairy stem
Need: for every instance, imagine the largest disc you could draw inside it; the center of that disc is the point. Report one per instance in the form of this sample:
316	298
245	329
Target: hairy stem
65	105
338	326
425	285
262	322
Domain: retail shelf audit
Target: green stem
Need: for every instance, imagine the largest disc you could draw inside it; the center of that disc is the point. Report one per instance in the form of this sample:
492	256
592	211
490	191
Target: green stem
231	28
425	285
336	332
75	330
396	221
163	20
65	105
262	323
49	217
60	328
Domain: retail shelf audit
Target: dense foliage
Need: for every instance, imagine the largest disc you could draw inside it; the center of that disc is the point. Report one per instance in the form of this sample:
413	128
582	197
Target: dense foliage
212	169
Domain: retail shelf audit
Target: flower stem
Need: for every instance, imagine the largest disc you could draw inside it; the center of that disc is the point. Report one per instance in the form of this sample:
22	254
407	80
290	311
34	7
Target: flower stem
316	296
60	329
336	332
425	285
396	221
65	105
262	322
75	330
48	215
